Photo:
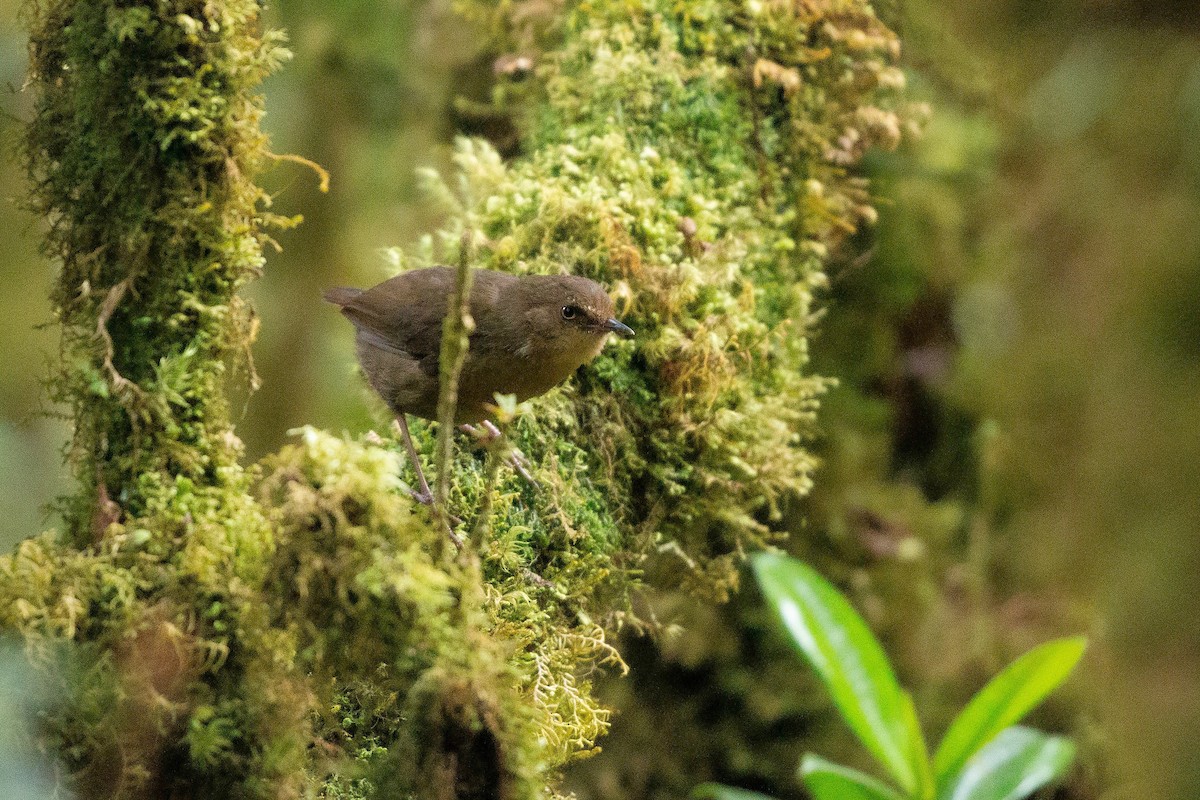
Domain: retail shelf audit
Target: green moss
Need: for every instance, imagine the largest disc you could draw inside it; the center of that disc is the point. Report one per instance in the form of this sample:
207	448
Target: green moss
298	628
694	161
706	193
393	628
142	154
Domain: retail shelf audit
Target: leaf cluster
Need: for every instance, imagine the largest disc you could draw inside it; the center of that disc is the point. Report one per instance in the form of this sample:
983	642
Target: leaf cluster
984	755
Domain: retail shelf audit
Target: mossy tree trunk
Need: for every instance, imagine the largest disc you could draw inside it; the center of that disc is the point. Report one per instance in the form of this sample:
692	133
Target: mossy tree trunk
256	634
142	155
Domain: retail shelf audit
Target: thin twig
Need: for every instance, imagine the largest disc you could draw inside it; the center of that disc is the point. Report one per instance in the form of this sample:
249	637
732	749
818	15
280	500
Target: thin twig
112	299
483	519
456	332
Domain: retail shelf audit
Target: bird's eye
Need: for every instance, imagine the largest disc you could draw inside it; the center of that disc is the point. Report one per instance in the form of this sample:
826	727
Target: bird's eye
569	312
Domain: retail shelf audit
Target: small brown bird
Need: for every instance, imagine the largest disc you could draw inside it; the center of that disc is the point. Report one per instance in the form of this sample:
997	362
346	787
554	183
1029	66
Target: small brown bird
531	332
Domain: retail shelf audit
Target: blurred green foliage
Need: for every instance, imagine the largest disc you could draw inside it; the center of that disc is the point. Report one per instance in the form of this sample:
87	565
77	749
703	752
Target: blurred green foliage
25	773
31	473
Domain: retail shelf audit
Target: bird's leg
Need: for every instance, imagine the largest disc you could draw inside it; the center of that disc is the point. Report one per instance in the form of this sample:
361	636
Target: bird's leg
424	496
518	458
514	457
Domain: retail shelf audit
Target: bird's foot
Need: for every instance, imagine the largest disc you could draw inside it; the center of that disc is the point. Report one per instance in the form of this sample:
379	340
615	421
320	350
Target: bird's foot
426	499
488	434
520	465
424	495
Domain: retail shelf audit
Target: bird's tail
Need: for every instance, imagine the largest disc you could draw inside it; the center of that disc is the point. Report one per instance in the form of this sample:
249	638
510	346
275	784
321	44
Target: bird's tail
341	295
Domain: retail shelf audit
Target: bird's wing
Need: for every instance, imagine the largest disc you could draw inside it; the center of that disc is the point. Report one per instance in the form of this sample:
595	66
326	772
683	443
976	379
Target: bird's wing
404	314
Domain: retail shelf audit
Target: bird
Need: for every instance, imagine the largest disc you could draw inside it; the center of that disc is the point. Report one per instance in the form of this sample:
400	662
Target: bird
531	333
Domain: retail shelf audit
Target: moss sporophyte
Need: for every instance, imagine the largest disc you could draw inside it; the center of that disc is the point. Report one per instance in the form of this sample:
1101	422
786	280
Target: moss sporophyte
291	629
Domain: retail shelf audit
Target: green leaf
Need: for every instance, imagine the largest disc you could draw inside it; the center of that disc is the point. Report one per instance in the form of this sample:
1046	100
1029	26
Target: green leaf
715	791
1005	700
1012	766
846	656
828	781
918	754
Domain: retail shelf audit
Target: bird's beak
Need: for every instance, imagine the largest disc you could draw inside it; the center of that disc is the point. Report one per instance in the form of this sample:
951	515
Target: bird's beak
619	328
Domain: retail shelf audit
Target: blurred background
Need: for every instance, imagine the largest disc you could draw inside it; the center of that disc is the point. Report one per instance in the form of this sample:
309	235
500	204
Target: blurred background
1013	450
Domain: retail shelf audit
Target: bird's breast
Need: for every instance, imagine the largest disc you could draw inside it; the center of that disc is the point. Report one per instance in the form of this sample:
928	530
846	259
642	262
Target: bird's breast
524	375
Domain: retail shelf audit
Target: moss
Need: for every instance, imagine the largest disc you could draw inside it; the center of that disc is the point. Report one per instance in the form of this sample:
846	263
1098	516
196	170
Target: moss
376	613
695	161
901	497
298	628
689	177
142	154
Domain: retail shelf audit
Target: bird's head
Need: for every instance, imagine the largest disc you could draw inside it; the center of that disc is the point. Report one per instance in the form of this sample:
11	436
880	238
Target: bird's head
567	317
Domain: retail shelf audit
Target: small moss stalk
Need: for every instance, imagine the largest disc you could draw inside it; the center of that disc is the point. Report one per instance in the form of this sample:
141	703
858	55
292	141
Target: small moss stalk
455	339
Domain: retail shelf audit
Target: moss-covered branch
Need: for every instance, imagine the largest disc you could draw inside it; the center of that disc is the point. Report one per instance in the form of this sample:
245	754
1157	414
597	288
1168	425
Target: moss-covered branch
290	631
142	155
695	160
